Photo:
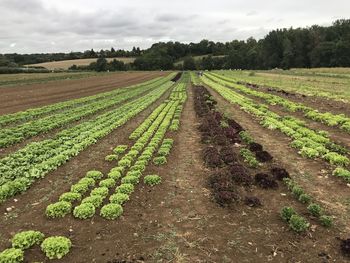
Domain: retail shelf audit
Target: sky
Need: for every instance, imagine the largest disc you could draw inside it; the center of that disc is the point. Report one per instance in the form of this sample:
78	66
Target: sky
41	26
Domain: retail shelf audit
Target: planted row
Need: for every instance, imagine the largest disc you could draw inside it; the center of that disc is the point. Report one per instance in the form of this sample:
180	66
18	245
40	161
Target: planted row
310	143
149	143
128	171
31	114
327	118
18	133
315	209
98	193
55	247
20	169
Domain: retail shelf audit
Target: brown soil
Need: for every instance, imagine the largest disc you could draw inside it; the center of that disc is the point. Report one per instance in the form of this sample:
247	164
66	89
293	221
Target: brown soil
177	221
34	95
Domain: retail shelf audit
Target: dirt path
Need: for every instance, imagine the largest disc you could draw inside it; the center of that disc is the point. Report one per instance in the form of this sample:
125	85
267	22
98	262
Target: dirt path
29	96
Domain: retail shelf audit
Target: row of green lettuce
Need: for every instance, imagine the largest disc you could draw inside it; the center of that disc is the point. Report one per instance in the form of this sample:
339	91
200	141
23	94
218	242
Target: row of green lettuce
108	193
32	128
22	168
310	143
34	113
330	119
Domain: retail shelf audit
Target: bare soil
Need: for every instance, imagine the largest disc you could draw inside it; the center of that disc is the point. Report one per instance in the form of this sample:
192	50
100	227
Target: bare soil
18	98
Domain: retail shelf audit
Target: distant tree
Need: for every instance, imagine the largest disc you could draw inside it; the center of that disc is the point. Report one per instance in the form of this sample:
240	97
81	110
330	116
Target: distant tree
314	46
73	67
101	64
342	53
207	63
116	65
189	63
323	55
4	62
288	55
235	60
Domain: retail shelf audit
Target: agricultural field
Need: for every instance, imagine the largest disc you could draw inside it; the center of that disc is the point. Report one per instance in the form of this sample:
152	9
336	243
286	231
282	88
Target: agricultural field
323	82
30	78
224	166
65	64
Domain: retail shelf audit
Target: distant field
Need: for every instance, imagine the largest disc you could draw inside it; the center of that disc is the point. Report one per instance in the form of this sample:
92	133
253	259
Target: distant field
29	78
337	71
65	64
331	83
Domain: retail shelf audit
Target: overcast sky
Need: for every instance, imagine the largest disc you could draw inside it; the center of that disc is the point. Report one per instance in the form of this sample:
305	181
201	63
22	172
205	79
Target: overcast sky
28	26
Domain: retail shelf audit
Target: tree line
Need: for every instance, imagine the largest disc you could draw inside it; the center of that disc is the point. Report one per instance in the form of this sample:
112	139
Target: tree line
315	46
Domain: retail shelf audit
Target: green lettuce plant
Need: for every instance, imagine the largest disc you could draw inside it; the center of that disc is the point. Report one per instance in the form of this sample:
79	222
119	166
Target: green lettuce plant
84	211
111	211
119	198
26	239
56	247
152	180
12	255
58	209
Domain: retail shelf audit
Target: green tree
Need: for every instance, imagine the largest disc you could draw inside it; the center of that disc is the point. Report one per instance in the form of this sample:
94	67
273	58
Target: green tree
189	64
101	64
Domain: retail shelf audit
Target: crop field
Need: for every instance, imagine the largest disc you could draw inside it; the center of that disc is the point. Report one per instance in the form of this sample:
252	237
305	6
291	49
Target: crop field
65	64
327	83
27	78
219	166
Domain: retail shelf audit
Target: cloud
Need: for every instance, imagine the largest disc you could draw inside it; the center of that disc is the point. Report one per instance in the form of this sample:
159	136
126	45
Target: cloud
251	13
66	25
